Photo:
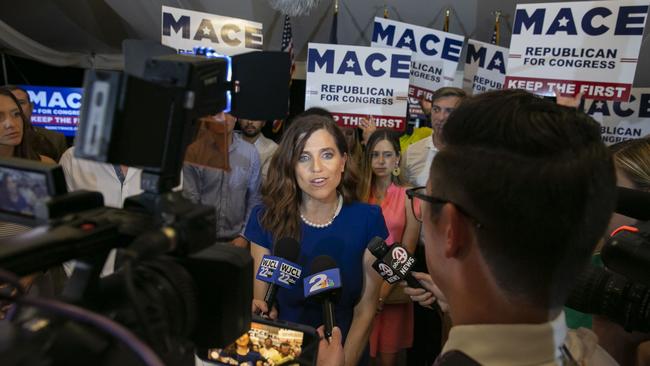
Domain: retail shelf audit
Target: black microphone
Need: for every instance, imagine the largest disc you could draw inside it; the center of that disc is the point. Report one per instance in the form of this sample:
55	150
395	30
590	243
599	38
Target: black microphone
633	203
285	250
396	259
324	284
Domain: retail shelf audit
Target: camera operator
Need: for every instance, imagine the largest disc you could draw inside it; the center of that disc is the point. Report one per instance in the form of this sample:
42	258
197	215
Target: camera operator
632	163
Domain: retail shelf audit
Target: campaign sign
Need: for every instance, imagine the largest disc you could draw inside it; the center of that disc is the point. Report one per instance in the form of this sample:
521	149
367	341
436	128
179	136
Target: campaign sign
386	272
55	108
267	268
435	53
356	82
186	29
415	110
622	121
485	67
589	47
322	281
286	274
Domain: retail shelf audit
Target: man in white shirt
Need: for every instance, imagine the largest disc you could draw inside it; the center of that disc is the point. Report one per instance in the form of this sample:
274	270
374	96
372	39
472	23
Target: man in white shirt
511	214
417	158
252	132
115	182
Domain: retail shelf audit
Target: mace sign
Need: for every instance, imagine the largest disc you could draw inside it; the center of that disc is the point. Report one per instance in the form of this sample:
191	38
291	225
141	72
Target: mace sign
186	29
485	67
356	82
589	47
435	53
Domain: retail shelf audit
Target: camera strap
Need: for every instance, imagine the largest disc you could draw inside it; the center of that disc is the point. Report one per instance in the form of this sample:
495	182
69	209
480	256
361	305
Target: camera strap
567	359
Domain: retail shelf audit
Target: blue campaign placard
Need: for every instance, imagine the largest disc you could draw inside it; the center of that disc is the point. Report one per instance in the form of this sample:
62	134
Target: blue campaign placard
287	273
267	268
322	281
55	108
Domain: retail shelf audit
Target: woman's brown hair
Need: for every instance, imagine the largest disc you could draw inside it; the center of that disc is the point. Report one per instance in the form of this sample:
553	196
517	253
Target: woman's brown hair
24	149
280	192
368	177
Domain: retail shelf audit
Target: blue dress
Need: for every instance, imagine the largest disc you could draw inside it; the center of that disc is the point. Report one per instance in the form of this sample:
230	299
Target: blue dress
345	240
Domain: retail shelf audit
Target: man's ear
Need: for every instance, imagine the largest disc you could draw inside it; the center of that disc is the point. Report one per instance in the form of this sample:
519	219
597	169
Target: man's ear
458	233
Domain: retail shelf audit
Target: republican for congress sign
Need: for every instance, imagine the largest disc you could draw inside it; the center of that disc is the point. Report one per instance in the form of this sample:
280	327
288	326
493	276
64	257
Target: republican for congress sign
485	67
186	29
589	47
55	108
435	53
355	82
622	121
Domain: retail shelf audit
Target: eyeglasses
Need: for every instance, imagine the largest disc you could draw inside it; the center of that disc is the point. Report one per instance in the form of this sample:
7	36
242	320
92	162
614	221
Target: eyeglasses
418	193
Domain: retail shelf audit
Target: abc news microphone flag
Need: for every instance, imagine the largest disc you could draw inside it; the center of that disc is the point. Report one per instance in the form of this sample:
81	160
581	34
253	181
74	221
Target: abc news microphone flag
354	82
589	47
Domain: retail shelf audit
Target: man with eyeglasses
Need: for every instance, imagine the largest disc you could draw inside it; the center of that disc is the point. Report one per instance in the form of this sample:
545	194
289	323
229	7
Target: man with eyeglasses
514	206
417	158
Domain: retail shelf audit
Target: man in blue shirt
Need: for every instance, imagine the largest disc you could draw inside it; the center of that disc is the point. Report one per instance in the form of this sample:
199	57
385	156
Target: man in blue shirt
232	193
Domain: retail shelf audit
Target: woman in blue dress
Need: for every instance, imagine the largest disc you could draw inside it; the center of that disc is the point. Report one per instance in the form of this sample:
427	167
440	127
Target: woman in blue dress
310	195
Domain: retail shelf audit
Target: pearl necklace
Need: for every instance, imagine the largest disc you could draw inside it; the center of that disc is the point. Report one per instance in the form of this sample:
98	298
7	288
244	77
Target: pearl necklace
329	222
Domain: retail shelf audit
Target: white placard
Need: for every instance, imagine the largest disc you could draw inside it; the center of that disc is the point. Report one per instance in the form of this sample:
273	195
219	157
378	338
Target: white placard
590	47
485	67
354	82
186	29
622	121
435	53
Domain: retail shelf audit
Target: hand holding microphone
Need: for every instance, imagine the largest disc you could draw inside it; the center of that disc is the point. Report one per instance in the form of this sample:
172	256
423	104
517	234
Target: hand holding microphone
428	294
393	263
324	284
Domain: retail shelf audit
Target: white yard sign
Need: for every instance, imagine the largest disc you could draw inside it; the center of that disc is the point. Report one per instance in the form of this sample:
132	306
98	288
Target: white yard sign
590	47
186	29
356	82
435	53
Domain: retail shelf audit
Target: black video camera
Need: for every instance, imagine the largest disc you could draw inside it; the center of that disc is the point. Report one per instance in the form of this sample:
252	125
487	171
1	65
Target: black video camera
175	288
621	291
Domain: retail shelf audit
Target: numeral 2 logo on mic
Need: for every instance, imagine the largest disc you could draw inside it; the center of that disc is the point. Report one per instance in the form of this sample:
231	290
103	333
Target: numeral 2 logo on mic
319	282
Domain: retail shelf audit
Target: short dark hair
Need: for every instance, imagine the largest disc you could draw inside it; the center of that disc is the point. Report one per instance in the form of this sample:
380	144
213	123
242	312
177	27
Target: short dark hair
448	91
538	178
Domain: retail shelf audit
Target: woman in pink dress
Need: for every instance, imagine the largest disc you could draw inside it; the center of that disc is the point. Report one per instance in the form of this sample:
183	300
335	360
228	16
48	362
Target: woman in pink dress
393	325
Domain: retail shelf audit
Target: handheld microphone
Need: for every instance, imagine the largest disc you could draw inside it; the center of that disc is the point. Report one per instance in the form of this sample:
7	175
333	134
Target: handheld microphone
386	272
279	269
396	260
324	284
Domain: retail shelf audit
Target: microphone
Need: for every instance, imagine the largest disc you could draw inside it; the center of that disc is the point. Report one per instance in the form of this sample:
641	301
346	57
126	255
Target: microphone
396	261
633	203
324	284
279	269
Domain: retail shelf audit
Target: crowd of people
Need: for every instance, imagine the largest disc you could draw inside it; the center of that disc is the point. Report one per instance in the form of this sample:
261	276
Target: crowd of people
503	203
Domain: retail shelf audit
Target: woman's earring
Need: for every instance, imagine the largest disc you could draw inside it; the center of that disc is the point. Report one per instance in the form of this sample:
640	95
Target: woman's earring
397	171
